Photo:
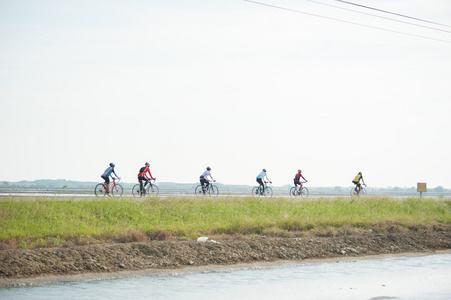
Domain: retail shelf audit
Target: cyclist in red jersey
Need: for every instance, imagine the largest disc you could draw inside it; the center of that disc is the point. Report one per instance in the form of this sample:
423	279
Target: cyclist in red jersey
297	179
142	176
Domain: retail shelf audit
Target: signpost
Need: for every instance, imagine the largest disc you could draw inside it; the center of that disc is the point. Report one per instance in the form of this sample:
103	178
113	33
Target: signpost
421	188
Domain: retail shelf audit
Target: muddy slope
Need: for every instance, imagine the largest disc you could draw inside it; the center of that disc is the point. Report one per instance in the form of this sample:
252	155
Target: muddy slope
109	258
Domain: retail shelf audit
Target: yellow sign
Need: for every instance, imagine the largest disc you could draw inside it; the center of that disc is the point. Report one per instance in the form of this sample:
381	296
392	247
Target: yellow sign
421	187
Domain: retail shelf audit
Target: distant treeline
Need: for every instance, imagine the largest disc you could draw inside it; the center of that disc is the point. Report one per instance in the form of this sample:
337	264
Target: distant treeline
69	185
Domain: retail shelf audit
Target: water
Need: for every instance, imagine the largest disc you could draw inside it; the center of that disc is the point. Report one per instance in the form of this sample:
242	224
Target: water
426	277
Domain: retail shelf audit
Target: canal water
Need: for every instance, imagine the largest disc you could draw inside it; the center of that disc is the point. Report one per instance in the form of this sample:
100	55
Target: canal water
424	277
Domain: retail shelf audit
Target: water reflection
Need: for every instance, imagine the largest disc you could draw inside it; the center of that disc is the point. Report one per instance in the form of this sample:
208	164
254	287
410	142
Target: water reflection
427	277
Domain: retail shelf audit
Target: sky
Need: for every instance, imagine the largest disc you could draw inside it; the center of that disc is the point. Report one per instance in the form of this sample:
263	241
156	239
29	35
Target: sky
231	84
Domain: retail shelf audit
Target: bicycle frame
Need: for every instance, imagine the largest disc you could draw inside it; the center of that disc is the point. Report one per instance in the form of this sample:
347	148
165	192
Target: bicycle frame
211	189
148	182
209	186
355	191
113	184
266	185
300	186
114	187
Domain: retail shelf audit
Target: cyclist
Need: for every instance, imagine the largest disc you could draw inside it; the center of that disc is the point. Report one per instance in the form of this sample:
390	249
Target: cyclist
142	176
260	178
106	176
356	181
204	179
297	180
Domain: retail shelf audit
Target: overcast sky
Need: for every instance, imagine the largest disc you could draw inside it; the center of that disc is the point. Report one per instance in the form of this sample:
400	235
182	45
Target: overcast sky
231	84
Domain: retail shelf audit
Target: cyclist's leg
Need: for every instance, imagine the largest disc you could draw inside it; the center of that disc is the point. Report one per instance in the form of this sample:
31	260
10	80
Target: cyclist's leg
262	186
202	182
357	188
145	184
141	185
296	183
107	185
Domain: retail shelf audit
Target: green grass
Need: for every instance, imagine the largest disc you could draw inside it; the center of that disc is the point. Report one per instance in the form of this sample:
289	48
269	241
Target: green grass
48	222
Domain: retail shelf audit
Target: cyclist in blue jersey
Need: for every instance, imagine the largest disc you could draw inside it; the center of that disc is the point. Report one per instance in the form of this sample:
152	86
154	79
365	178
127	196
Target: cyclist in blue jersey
106	176
260	178
204	179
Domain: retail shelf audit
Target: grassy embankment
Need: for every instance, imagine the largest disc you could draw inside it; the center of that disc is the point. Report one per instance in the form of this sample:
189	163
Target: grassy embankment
50	222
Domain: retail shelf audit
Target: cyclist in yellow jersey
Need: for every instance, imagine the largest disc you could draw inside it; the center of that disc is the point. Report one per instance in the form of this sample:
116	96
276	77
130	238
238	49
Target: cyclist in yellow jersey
356	181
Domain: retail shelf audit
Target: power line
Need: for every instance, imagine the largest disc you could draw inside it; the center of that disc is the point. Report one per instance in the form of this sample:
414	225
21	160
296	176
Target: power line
381	17
344	21
388	12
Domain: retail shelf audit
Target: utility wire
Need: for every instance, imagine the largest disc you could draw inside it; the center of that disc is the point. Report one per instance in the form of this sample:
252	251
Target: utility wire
386	18
388	12
344	21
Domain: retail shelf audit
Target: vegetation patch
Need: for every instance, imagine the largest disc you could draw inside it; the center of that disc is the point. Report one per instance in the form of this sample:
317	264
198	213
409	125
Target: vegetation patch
43	222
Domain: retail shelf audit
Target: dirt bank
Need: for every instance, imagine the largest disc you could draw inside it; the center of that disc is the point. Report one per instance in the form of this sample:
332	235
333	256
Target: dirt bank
22	266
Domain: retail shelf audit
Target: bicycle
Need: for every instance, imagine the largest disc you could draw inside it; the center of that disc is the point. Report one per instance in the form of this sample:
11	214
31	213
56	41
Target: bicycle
294	192
211	190
115	188
356	193
151	191
257	190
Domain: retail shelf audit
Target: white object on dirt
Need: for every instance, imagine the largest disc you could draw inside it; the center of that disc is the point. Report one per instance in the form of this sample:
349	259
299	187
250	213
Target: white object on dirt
204	239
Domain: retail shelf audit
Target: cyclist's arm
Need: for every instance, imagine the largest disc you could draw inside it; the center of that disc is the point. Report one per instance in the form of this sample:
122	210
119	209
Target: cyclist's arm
148	171
111	174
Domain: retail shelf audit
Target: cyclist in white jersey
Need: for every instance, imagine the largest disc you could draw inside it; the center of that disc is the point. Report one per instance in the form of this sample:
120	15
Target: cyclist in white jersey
260	178
204	179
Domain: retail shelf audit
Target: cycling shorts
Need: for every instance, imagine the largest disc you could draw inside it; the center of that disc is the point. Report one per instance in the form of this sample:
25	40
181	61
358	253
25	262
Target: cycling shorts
107	179
140	178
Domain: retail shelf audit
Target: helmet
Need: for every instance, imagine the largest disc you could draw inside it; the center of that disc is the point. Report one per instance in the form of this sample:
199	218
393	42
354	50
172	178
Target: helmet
208	168
112	165
264	170
299	171
147	164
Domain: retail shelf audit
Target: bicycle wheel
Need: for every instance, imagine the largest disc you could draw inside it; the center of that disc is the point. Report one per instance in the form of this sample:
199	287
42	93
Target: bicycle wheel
152	190
136	190
362	191
255	191
117	190
213	190
198	191
304	192
293	192
99	190
354	193
268	191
